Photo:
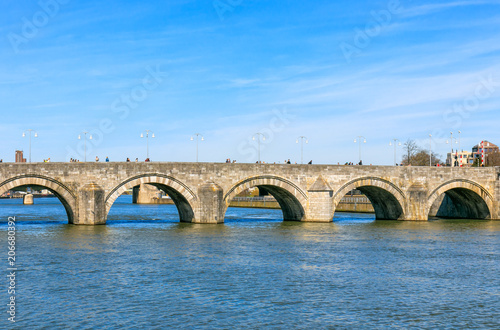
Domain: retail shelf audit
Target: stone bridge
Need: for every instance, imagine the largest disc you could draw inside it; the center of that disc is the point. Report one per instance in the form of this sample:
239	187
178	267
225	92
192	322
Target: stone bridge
202	191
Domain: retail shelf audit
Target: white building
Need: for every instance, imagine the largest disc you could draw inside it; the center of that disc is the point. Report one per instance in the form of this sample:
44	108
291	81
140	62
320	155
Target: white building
460	159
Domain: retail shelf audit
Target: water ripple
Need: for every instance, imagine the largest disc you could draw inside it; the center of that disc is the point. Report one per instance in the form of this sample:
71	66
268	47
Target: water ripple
254	271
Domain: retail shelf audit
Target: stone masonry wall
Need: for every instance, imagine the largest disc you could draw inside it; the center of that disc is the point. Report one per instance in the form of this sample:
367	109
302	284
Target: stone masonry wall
413	188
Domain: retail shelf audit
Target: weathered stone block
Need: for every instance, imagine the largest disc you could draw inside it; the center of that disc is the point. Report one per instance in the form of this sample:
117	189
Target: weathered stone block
91	206
211	207
417	208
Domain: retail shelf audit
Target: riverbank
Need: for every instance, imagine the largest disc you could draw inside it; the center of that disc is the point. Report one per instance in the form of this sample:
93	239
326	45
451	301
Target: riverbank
22	195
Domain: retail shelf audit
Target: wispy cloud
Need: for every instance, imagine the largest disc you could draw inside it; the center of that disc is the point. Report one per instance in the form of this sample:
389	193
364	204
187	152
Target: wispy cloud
425	9
224	79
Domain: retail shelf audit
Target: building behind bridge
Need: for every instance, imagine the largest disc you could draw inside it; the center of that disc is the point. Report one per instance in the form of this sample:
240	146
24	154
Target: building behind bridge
461	158
19	157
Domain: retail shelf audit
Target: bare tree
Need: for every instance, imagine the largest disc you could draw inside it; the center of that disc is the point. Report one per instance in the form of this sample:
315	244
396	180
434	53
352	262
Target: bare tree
411	149
493	159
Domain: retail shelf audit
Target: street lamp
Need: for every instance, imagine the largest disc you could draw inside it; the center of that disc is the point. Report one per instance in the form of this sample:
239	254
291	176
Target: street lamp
358	140
147	141
84	143
459	142
450	142
396	143
302	138
430	150
258	140
202	138
36	135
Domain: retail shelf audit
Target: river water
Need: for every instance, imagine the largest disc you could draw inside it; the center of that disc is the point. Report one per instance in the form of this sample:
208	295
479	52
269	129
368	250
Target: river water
144	269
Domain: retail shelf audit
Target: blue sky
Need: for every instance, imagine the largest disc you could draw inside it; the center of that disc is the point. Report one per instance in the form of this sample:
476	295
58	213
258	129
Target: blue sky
230	68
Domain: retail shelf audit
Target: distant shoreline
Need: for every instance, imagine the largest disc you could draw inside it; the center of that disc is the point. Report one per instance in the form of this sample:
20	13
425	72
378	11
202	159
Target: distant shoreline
21	196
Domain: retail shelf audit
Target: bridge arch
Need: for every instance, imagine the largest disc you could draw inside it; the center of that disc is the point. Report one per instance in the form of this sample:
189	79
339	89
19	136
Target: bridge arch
65	195
291	198
388	200
461	199
183	197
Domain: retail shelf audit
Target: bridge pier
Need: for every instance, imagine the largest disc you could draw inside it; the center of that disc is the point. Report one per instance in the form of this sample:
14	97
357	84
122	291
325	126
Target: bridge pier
417	208
28	199
210	205
145	194
496	202
320	206
91	206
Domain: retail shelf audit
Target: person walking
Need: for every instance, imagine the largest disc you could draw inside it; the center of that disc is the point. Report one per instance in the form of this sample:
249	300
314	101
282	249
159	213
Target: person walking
107	159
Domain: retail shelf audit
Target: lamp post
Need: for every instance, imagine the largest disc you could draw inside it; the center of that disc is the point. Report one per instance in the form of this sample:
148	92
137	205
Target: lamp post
84	143
450	142
460	148
430	150
302	138
358	140
258	140
396	143
459	142
202	138
147	140
36	135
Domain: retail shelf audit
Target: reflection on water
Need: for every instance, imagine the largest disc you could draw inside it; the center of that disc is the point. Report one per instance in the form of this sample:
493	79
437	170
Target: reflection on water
145	269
